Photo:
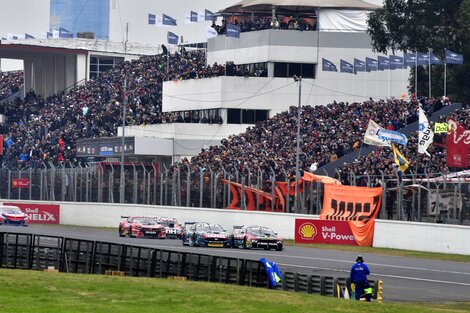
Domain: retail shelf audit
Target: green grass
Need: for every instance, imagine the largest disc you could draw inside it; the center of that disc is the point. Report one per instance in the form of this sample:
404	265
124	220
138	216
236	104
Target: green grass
34	291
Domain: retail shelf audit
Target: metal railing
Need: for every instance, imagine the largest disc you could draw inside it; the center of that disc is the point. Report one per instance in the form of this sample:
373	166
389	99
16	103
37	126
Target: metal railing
39	252
412	197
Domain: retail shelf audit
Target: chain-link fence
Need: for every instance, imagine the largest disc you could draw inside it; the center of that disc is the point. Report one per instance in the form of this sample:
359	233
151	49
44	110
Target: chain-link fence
412	197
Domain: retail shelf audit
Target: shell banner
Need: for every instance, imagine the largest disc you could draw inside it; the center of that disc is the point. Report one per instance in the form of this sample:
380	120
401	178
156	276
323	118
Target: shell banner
320	231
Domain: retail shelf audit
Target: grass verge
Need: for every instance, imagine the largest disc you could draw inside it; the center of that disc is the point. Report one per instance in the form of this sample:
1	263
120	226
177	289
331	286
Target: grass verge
34	291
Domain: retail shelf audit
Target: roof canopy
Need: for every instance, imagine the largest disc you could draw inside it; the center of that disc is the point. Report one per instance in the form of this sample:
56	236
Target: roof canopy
299	5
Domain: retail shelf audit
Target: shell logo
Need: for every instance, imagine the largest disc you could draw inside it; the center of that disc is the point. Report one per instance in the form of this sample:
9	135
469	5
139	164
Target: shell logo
15	183
307	231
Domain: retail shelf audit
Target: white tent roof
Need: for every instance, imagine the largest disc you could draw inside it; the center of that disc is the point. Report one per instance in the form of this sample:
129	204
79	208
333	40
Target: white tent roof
246	5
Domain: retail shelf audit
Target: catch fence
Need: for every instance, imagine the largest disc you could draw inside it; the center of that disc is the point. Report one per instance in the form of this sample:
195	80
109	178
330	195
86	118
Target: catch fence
413	197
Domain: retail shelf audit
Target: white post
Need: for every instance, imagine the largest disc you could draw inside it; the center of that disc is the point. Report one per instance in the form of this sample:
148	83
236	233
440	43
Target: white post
416	74
445	79
430	69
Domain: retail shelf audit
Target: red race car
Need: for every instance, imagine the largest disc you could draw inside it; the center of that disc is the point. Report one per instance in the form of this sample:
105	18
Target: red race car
141	226
173	229
12	215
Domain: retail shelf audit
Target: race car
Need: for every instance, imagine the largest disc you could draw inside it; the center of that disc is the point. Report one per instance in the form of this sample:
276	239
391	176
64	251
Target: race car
173	229
141	226
248	237
203	234
12	215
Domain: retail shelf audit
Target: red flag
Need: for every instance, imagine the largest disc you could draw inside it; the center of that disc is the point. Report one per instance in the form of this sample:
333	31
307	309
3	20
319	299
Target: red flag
458	145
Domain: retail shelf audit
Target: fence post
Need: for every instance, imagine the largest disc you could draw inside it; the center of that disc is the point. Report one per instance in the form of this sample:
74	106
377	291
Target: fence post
154	184
259	185
30	183
201	185
19	189
53	174
242	196
384	194
188	186
212	191
135	186
273	188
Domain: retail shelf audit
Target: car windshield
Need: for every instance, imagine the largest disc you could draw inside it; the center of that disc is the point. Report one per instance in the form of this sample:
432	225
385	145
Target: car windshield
146	221
167	223
262	231
211	228
12	211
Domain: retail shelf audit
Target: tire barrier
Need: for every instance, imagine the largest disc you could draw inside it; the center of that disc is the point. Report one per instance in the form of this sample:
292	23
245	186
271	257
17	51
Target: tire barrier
39	252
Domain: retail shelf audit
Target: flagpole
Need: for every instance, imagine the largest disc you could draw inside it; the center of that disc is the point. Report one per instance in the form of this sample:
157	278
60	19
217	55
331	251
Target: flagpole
429	74
416	74
445	77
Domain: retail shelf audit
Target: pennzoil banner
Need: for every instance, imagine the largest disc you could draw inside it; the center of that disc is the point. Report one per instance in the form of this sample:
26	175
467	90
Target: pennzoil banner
357	205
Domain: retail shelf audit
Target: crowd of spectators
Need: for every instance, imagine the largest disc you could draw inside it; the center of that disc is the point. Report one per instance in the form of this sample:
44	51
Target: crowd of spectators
327	133
40	130
10	83
262	23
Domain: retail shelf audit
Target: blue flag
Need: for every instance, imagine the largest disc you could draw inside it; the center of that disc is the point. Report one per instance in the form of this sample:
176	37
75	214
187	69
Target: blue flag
371	65
28	36
359	66
409	59
423	58
152	19
395	62
435	60
172	38
232	31
453	58
272	271
346	67
328	66
63	33
193	16
208	15
383	63
168	20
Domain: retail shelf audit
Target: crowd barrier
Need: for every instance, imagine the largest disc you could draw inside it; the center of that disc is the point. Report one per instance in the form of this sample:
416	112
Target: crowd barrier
437	200
40	252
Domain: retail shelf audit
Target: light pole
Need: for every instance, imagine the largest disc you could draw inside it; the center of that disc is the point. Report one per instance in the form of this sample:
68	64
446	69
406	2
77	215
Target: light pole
122	186
297	151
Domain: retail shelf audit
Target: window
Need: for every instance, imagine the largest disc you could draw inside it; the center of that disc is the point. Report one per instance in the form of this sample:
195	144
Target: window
246	116
306	70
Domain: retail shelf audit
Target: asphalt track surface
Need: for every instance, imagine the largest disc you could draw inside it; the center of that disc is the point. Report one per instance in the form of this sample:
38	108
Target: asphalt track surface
404	278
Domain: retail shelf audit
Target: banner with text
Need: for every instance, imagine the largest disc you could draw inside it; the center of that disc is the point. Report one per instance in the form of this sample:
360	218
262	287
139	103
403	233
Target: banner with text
320	231
40	213
357	205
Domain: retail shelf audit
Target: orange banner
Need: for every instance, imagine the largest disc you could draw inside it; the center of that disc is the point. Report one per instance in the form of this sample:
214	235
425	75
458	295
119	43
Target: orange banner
304	181
253	196
357	205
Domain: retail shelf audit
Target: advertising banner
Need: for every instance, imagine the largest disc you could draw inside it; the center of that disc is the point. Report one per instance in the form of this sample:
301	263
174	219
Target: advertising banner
458	145
20	182
357	205
40	213
326	232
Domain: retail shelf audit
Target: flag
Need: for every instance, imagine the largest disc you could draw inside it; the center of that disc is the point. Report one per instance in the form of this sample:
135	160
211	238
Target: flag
28	36
152	19
371	65
208	15
210	32
383	63
440	128
328	66
172	38
191	17
423	58
425	134
400	159
359	66
168	20
371	136
232	31
409	59
396	62
64	33
458	145
435	60
453	58
346	67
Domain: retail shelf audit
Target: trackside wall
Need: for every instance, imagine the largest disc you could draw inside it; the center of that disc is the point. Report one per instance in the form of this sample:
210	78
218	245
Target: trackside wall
427	237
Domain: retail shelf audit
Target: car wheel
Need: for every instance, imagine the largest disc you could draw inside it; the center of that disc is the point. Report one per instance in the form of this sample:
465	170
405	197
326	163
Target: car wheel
120	231
279	247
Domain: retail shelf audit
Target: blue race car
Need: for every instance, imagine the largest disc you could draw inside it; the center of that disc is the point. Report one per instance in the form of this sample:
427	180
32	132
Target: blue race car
201	234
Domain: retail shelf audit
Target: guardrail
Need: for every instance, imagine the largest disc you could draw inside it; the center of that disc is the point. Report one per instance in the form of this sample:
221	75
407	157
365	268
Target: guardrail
39	252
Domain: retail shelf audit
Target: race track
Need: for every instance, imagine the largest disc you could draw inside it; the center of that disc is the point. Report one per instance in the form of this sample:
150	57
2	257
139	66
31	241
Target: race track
405	279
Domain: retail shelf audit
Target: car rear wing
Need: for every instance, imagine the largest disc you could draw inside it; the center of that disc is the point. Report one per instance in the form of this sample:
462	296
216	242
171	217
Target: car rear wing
124	216
237	227
189	223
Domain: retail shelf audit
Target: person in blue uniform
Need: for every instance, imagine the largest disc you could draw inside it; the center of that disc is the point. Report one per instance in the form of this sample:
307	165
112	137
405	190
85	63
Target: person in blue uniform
359	272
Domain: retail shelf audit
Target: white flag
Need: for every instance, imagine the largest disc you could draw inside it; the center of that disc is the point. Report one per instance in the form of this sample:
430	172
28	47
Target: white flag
371	136
210	32
425	133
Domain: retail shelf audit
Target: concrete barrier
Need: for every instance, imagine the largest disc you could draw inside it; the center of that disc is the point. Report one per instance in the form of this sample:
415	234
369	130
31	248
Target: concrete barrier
427	237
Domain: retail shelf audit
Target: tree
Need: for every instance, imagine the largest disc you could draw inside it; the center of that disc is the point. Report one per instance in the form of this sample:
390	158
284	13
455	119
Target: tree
416	25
